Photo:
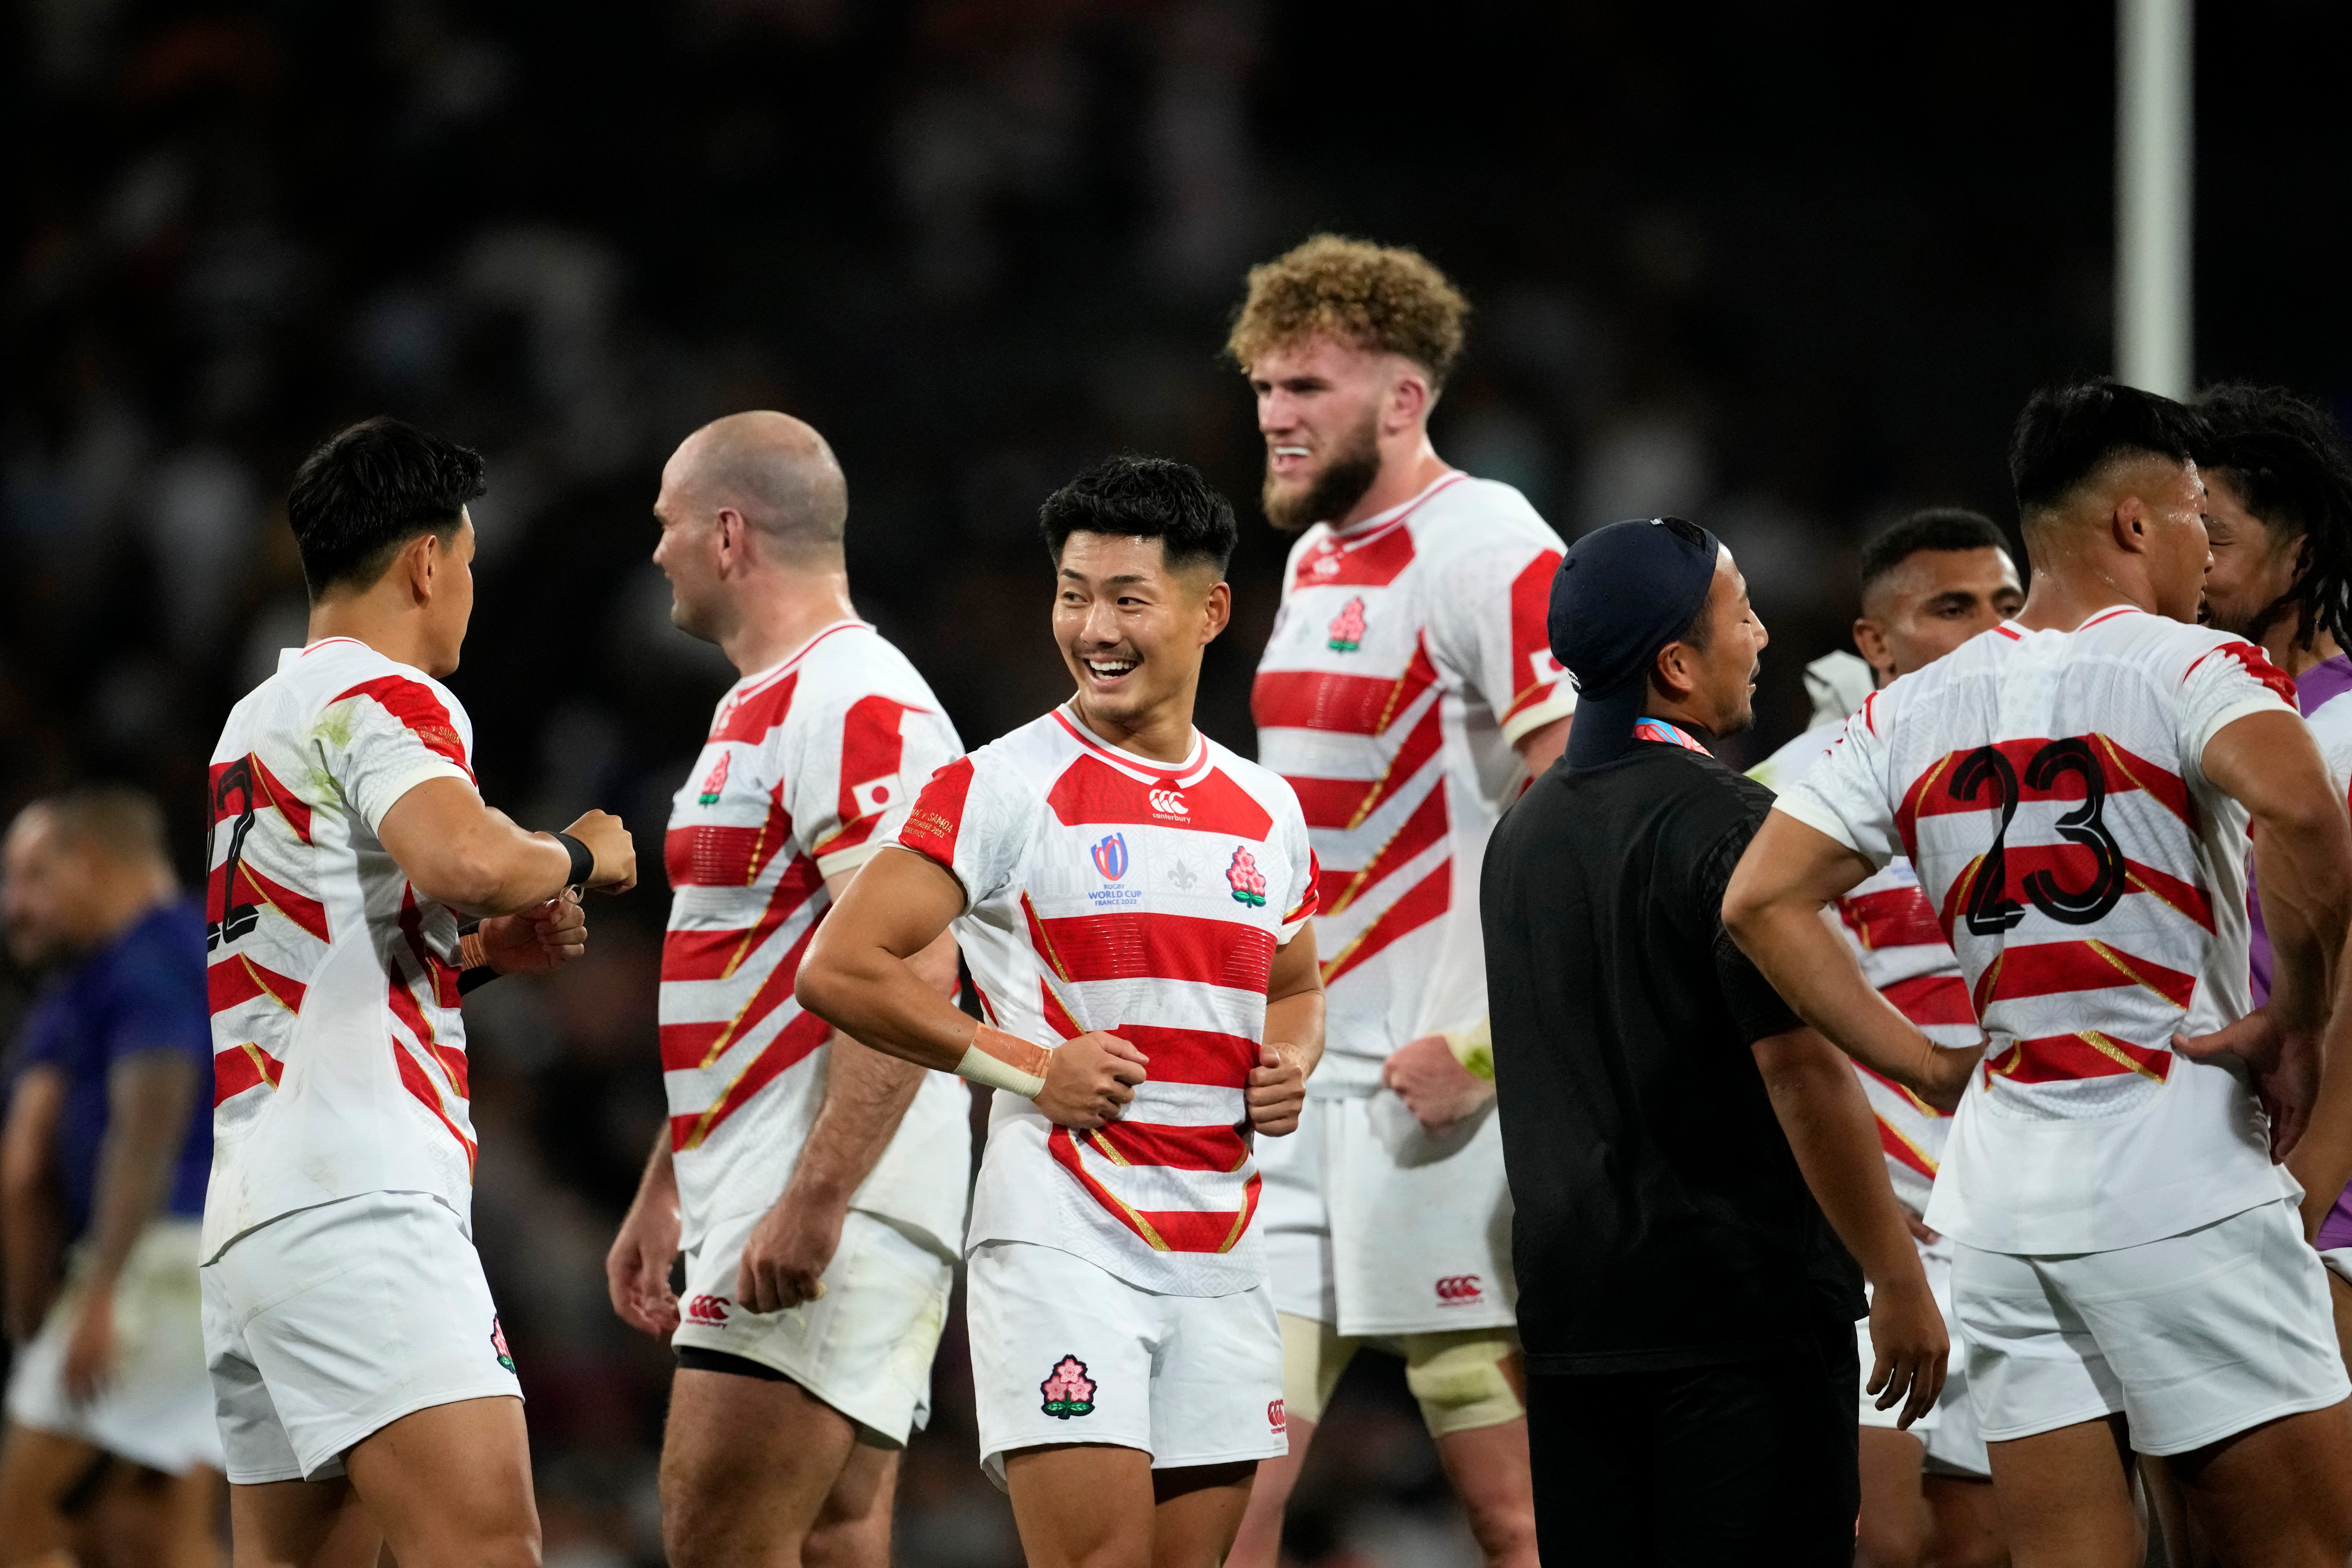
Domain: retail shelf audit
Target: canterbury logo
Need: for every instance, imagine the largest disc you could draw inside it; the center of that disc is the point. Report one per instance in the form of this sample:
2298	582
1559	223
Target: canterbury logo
1455	1288
1168	802
1274	1417
706	1310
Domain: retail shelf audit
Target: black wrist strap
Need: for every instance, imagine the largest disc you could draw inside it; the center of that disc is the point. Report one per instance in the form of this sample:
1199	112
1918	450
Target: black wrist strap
583	862
470	980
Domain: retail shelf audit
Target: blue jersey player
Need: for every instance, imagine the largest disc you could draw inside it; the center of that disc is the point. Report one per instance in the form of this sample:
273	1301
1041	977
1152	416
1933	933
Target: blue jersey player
111	1447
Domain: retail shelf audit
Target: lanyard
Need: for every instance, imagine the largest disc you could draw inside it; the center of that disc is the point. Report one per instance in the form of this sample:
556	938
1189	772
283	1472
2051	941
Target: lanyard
1659	729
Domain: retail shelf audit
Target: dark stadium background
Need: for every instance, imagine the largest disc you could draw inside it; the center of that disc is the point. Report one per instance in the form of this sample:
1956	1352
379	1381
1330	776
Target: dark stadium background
1787	269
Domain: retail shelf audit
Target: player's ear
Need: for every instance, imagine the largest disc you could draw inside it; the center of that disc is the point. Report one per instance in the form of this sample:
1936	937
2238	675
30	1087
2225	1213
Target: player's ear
1410	399
2128	524
419	560
1216	611
1870	641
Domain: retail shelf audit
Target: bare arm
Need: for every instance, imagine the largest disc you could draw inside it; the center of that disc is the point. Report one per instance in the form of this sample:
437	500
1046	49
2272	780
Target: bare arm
1773	910
857	977
2303	872
1277	1091
147	1100
1833	1134
866	1094
1542	746
1444	1078
637	1264
31	1231
459	852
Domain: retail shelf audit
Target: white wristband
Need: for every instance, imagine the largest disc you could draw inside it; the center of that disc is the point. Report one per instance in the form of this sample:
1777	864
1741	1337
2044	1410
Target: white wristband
1003	1061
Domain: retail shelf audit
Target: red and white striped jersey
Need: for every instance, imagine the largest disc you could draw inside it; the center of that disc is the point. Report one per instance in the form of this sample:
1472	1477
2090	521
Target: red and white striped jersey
1892	930
810	768
2049	788
1107	892
1409	654
338	1052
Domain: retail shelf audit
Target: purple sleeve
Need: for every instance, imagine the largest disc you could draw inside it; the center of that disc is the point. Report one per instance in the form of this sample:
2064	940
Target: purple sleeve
2335	1230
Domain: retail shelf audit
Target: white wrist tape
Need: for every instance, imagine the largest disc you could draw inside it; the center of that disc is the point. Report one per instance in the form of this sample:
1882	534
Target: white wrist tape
1004	1061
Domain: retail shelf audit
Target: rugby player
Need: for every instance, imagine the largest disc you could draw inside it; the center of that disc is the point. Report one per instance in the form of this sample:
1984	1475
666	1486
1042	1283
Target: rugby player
2074	790
111	1450
365	1388
817	1186
1929	583
1408	694
1136	894
2278	508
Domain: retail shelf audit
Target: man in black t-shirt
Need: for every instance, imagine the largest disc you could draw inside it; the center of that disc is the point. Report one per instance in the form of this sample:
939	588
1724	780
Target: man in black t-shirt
1686	1157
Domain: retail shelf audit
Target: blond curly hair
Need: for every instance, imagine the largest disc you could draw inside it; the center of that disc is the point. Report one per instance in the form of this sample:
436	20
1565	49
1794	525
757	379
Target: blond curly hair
1385	298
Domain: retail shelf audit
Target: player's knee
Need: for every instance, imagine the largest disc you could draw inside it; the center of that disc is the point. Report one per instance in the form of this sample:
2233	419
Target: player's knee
1460	1380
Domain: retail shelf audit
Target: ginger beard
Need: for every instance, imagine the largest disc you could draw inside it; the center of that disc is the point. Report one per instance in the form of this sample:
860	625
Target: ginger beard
1334	489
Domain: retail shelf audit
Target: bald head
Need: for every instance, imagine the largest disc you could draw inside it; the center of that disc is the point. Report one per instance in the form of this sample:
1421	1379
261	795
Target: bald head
74	868
774	472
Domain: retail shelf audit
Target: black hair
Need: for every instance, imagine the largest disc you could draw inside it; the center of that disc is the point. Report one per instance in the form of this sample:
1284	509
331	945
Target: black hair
2065	433
1144	498
1933	527
368	490
2285	460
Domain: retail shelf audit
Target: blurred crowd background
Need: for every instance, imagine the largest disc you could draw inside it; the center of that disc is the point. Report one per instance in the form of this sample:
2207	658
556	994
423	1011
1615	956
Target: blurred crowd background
1787	269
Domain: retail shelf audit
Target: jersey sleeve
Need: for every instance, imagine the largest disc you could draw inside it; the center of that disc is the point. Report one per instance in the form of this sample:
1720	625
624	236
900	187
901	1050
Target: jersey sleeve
2224	684
1845	793
970	821
1487	629
384	737
1306	876
855	777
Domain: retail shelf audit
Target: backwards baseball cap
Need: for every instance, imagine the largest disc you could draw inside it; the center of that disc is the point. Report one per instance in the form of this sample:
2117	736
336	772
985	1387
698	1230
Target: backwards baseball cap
1621	594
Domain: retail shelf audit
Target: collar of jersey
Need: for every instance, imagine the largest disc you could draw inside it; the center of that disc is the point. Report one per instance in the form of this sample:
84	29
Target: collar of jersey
1363	532
759	678
286	655
1194	767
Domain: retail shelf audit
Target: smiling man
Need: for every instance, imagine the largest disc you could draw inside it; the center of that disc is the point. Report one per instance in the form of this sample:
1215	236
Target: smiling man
1129	889
1408	694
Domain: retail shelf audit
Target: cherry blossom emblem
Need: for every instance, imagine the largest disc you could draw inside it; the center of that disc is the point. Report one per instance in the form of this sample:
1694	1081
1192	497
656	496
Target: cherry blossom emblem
1069	1391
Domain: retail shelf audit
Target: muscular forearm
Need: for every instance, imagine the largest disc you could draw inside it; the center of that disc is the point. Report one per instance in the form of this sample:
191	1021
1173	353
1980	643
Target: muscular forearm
1832	1132
657	1184
866	1096
2300	877
2322	1161
1294	1026
1815	973
147	1119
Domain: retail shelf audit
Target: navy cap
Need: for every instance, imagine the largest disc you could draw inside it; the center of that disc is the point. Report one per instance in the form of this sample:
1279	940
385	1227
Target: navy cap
1621	594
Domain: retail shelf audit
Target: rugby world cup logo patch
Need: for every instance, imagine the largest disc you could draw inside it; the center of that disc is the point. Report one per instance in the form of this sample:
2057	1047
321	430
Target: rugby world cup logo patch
1110	856
1068	1389
498	1344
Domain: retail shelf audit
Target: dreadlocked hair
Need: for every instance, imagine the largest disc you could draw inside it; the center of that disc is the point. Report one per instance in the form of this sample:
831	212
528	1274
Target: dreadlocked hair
2285	458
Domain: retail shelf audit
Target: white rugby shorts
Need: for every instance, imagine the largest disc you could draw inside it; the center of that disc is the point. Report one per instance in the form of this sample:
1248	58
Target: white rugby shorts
1064	1352
1375	1228
2338	1261
2193	1338
1948	1430
326	1325
156	1409
865	1347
